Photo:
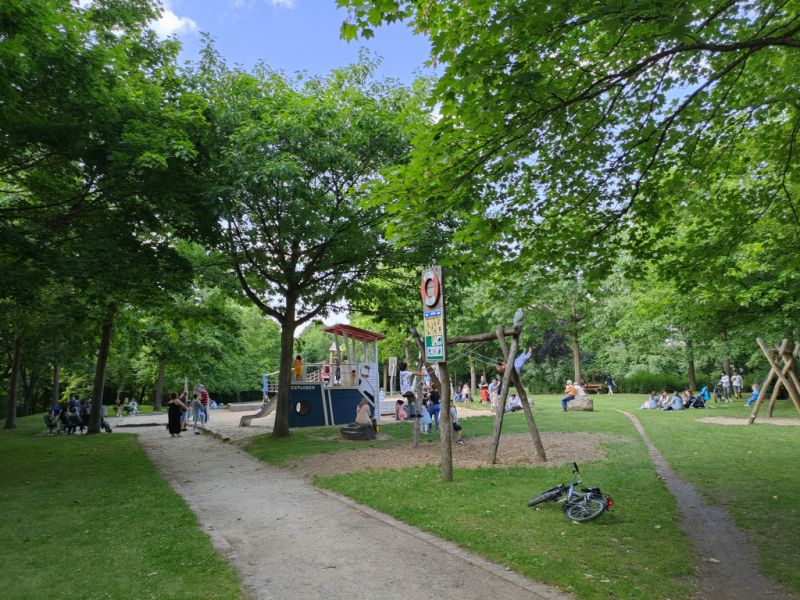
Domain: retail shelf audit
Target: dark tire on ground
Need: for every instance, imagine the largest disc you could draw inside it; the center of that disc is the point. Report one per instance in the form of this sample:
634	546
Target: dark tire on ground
585	510
548	496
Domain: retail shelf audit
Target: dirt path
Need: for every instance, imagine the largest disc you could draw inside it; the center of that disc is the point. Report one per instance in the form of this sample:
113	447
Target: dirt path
287	539
736	421
728	568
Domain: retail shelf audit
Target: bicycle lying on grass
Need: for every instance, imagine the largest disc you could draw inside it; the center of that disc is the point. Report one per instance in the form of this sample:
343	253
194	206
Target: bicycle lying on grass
580	503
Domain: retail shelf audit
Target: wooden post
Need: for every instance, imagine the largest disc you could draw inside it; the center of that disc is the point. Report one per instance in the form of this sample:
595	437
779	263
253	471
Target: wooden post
446	426
473	379
445	423
778	385
526	407
501	402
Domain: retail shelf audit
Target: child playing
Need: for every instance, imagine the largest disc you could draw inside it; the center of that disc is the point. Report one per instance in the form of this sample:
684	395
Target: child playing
753	397
424	419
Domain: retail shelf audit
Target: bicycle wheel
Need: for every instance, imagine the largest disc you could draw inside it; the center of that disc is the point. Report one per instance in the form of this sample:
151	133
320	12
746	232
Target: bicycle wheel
585	509
548	496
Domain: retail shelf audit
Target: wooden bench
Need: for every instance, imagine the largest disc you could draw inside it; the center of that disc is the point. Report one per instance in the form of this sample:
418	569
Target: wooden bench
593	388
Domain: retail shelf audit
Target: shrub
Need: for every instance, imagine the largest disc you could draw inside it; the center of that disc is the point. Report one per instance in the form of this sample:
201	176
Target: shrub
643	382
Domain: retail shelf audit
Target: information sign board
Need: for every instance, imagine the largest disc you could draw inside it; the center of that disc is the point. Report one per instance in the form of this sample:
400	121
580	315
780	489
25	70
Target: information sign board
433	313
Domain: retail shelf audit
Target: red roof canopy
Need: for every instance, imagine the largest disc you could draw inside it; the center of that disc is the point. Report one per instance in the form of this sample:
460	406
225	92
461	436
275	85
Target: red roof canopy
355	333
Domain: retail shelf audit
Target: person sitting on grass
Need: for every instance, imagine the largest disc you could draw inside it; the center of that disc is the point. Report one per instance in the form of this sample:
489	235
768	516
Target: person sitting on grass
677	402
651	403
514	404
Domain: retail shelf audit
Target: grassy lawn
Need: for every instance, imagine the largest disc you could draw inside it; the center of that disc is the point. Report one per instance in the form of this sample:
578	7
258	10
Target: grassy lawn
89	517
637	550
751	470
486	510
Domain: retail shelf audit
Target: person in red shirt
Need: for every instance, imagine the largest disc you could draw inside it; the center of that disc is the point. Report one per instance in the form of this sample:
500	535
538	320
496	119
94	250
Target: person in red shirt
202	395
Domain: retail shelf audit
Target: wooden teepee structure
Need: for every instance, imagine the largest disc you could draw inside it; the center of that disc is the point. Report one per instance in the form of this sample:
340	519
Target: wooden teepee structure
510	375
783	374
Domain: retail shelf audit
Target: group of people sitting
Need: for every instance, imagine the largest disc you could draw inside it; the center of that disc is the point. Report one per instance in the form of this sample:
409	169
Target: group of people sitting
72	416
128	406
676	401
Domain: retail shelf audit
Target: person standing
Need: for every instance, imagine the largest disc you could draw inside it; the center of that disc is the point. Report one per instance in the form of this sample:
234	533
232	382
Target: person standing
493	393
725	382
175	409
337	374
483	387
466	393
297	368
610	384
737	385
197	413
436	407
202	395
569	394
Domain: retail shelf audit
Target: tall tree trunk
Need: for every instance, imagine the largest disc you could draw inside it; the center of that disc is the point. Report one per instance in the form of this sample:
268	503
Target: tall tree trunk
576	355
690	360
726	359
11	417
100	370
386	377
281	428
473	380
28	391
159	392
142	394
56	384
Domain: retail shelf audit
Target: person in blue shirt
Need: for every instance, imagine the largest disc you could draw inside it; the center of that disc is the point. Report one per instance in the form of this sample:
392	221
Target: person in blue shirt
677	402
519	362
753	397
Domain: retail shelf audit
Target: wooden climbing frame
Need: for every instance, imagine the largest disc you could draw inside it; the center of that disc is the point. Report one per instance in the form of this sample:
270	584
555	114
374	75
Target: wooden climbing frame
783	374
509	354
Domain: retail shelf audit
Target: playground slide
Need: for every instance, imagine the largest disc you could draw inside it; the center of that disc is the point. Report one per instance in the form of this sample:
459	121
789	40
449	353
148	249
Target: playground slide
266	408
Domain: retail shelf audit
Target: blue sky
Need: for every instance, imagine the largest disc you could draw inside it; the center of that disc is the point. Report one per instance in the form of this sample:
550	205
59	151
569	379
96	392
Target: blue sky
292	35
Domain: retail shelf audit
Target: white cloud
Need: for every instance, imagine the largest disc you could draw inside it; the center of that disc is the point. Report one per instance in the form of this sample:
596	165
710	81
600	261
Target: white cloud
172	24
282	3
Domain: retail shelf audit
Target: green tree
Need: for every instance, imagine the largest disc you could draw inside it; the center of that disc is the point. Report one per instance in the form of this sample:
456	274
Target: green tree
98	150
294	159
568	119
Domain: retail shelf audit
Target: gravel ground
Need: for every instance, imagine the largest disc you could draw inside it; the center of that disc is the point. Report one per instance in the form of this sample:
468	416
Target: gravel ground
288	539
